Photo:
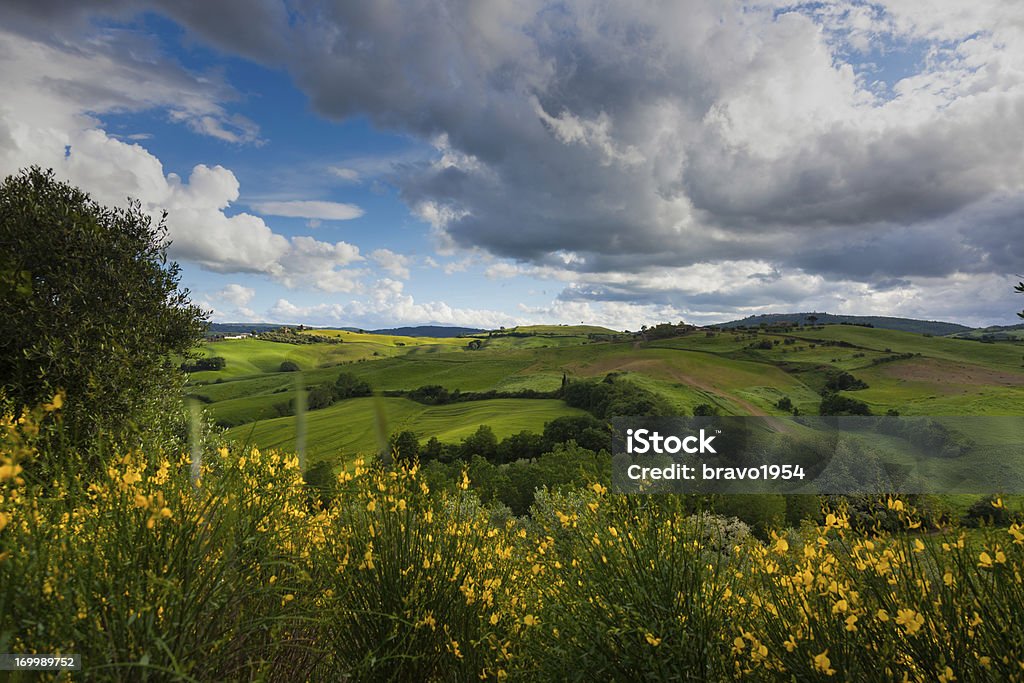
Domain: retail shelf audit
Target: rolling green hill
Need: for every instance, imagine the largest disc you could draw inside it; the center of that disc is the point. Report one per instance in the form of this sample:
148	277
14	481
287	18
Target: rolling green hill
741	372
349	428
879	321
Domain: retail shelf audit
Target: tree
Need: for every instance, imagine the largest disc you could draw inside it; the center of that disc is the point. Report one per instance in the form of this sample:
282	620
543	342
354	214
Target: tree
405	446
350	386
92	306
481	442
1020	290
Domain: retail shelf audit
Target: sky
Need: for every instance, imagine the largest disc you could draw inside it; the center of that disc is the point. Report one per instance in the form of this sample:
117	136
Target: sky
483	163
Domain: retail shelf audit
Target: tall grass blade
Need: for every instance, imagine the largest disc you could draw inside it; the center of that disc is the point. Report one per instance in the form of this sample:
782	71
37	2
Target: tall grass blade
195	437
300	420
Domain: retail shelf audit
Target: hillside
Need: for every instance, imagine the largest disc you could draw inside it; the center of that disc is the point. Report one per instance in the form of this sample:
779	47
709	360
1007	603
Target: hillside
736	372
882	322
429	331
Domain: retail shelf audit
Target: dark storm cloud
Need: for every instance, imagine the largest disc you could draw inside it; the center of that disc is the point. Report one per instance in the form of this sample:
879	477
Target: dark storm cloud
662	134
628	137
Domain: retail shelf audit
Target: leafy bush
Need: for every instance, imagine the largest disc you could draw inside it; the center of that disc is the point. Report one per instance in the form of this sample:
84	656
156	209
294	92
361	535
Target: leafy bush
844	381
350	386
289	366
96	308
250	573
834	404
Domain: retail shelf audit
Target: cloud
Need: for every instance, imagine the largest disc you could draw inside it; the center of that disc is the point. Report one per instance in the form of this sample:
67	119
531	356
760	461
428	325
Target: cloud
48	118
328	211
838	146
237	295
347	174
392	263
676	135
386	305
320	265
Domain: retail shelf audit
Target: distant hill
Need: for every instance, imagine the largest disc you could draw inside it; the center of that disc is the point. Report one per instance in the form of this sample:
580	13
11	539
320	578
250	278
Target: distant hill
436	331
216	329
994	333
933	327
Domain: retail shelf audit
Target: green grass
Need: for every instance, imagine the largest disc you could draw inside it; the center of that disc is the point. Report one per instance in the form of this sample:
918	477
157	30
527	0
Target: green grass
244	357
949	377
350	427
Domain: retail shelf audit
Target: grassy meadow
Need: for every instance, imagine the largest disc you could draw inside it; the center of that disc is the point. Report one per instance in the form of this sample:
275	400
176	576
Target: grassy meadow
726	369
235	562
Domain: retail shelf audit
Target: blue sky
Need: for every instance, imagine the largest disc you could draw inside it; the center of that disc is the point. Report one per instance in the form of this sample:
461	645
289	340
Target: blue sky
500	163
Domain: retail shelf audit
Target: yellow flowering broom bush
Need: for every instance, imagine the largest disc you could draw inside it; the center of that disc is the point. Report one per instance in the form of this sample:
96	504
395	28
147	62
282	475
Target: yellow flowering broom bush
147	575
242	574
415	585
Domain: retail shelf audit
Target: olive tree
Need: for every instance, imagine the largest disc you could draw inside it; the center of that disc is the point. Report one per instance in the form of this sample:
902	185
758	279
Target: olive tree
91	305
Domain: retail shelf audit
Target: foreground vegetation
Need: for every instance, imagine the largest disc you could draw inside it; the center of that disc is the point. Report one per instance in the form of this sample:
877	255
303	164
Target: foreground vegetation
243	573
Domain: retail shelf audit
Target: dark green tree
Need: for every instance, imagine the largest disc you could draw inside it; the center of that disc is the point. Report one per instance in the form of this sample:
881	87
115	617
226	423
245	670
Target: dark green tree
405	446
481	442
1020	290
90	305
350	386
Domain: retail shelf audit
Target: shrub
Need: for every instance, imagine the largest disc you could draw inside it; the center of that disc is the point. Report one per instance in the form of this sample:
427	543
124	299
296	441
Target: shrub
705	410
350	386
834	404
97	310
289	366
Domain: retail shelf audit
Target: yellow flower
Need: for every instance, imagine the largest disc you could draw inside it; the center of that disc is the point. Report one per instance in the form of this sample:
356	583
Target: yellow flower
56	403
782	546
947	676
371	506
652	641
790	644
997	503
9	471
531	620
985	560
918	545
494	619
598	489
909	620
823	664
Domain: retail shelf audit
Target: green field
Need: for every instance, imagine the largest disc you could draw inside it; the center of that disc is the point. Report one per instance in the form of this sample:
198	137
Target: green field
349	428
729	370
